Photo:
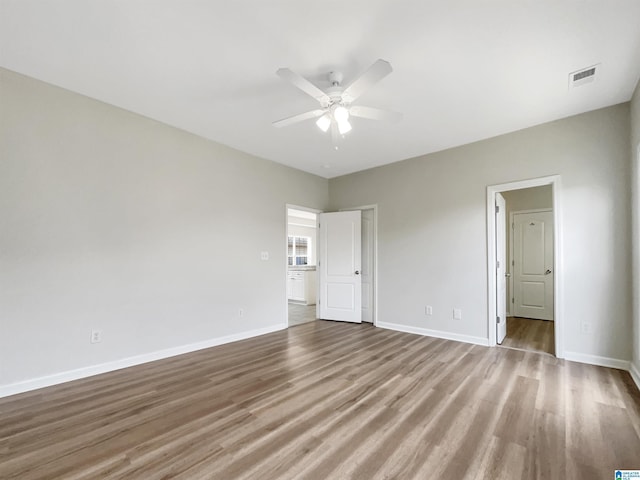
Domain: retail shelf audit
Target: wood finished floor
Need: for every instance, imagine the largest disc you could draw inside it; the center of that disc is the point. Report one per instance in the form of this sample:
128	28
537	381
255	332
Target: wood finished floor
529	334
327	400
299	313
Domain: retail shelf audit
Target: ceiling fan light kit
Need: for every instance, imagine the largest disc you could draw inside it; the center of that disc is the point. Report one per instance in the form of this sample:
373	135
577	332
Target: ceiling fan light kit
324	122
336	102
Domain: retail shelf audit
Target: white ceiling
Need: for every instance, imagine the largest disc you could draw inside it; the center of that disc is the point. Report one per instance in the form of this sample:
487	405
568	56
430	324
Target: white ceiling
464	70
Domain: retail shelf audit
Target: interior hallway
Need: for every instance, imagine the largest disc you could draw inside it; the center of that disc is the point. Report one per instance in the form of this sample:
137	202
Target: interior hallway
531	335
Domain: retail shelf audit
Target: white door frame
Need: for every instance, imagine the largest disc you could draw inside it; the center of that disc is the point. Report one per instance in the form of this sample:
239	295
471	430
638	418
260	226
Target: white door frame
501	267
286	253
558	290
373	207
511	250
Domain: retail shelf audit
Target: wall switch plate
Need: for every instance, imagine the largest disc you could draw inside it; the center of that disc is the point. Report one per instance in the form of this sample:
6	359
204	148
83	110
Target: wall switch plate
96	336
585	327
264	255
428	310
241	312
457	314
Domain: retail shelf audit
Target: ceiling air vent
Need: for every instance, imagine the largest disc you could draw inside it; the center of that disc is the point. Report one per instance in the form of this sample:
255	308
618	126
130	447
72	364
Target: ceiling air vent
585	75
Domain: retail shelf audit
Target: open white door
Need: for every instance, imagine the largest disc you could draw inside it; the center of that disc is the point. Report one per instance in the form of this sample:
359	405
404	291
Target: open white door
533	265
340	266
501	263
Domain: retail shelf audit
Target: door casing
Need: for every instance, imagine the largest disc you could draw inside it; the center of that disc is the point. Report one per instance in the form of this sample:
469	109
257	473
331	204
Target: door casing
558	290
500	269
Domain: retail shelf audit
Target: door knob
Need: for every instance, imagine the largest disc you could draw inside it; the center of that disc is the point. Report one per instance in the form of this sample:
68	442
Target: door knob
357	272
507	275
547	272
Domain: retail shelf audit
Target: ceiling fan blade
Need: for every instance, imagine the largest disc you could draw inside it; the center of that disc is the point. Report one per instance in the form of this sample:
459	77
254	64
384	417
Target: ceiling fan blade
374	113
373	75
298	118
303	84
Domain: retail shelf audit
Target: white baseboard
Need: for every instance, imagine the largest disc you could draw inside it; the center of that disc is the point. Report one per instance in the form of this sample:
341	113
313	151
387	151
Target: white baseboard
597	360
62	377
434	333
635	374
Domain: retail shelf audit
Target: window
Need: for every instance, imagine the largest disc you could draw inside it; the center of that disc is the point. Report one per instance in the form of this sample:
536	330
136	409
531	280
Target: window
299	250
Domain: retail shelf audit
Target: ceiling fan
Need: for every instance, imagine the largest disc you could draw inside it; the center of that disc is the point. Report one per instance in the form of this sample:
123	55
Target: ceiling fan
336	103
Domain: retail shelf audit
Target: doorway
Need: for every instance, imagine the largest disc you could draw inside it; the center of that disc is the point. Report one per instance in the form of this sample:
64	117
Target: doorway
299	311
523	253
530	323
301	261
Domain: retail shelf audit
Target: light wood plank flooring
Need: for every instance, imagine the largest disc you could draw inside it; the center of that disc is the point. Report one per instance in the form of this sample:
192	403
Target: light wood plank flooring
327	400
529	334
299	314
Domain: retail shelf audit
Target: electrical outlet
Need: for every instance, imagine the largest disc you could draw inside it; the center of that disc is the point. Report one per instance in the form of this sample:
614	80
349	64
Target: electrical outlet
457	314
264	255
586	328
428	310
96	336
241	312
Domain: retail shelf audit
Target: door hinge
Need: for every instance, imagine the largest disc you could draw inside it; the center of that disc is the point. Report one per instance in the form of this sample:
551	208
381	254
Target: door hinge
497	263
512	299
513	262
498	320
513	226
497	209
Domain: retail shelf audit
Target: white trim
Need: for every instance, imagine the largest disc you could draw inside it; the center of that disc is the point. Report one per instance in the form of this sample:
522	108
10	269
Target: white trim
434	333
373	207
70	375
597	360
635	374
635	270
555	182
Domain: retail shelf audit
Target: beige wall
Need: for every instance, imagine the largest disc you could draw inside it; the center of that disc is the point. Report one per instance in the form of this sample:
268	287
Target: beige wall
635	181
113	221
519	200
153	235
432	228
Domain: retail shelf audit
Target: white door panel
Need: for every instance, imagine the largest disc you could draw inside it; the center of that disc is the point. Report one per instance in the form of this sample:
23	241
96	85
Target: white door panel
501	257
533	265
533	294
533	246
340	258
